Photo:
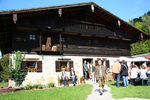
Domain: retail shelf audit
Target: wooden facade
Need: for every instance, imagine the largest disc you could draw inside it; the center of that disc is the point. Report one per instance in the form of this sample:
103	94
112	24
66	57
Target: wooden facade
76	31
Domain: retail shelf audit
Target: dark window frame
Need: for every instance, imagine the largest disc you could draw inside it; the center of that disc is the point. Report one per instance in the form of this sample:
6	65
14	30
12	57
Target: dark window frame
26	66
59	64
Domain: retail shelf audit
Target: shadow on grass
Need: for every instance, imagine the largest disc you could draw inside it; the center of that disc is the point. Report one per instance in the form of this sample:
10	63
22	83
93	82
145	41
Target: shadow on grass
113	84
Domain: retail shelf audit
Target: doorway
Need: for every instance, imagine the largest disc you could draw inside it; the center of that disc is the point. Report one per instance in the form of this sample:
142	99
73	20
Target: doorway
87	68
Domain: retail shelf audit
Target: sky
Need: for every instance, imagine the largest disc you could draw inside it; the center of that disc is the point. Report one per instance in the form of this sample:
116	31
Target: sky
124	9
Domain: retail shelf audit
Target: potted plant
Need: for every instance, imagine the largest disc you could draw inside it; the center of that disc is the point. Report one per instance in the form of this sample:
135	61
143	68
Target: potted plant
29	69
82	80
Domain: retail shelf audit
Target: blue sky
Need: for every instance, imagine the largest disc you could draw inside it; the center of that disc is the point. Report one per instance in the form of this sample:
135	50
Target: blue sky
125	9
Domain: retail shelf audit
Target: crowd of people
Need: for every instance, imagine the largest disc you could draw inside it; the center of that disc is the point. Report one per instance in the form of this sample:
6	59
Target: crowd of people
132	74
89	71
95	73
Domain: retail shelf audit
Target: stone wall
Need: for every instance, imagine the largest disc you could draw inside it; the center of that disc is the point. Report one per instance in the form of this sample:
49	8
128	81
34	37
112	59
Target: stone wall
49	73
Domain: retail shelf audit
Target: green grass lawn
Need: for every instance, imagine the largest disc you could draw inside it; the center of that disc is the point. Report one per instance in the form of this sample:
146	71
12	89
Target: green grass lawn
130	91
2	84
79	92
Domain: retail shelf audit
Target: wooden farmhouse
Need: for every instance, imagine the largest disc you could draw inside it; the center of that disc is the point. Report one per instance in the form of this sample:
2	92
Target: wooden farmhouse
66	35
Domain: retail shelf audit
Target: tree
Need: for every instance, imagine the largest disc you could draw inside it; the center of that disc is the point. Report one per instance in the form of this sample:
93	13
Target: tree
4	67
142	23
142	26
140	47
16	74
146	21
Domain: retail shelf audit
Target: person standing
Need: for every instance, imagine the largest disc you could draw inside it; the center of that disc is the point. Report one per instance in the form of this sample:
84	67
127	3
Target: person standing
85	69
124	73
73	76
90	70
116	68
93	72
88	73
100	74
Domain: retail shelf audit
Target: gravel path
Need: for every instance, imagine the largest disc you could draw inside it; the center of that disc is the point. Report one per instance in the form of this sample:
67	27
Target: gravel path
106	95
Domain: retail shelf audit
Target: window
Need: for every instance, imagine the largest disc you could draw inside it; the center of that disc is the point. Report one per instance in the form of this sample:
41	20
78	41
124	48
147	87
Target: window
66	64
32	37
31	66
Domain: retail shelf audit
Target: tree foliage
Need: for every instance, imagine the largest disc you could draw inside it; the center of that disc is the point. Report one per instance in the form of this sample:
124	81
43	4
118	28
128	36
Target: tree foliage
142	23
16	74
4	67
140	47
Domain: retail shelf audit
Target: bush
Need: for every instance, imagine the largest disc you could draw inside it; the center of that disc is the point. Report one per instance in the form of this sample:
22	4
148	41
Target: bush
35	86
28	87
38	86
4	67
51	85
17	76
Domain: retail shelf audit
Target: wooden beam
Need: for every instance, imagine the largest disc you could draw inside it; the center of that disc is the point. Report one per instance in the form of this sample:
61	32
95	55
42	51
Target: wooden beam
40	41
60	43
126	39
113	38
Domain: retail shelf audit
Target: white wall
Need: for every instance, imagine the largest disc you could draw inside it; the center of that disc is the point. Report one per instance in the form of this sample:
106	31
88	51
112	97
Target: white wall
49	73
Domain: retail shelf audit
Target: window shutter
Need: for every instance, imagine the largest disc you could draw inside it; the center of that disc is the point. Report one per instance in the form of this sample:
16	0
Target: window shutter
96	62
107	64
58	68
39	66
70	64
23	66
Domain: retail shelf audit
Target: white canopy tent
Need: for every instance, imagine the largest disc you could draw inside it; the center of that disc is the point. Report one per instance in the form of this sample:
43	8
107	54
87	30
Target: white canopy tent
125	58
134	59
139	59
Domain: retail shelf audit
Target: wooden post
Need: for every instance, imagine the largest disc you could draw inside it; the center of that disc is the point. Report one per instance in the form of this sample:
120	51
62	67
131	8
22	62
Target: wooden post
40	41
60	42
48	44
14	31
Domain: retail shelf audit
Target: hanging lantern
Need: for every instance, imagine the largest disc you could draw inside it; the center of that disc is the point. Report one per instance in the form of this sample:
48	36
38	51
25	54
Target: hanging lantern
119	23
15	18
92	8
60	12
